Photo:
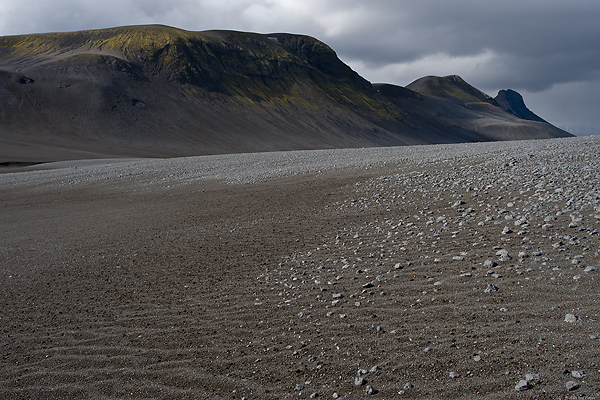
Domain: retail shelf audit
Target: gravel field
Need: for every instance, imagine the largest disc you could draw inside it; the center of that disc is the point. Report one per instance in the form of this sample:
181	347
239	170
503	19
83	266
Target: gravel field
257	167
435	272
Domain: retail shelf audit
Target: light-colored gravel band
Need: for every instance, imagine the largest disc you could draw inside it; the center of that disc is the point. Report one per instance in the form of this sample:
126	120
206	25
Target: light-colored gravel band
255	167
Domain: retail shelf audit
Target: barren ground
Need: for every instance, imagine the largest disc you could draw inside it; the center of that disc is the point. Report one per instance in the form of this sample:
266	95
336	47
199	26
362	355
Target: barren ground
278	279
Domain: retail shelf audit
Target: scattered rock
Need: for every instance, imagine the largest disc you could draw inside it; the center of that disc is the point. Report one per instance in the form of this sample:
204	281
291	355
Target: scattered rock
572	385
531	377
578	374
358	381
458	203
139	104
25	80
572	318
491	288
370	390
503	255
522	385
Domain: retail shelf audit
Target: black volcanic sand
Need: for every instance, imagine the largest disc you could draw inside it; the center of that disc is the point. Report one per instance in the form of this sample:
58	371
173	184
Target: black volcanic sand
156	285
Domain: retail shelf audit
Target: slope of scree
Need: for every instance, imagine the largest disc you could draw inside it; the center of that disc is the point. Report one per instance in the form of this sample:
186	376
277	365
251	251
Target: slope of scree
156	91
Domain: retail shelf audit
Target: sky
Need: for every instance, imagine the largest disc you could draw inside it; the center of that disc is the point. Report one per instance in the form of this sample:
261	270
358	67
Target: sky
547	50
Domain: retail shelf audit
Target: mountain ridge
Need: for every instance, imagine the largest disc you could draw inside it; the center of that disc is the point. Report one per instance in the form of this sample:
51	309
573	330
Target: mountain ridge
161	91
451	87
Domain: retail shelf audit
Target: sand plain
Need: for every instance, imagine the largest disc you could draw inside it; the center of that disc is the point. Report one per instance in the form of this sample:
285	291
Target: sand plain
449	271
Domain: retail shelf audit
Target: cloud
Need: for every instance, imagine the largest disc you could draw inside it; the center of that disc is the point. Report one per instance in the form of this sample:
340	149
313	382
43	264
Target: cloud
469	66
569	106
543	42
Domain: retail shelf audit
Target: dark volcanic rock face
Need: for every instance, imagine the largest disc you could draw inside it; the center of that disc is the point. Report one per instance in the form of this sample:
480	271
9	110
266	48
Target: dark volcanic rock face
514	103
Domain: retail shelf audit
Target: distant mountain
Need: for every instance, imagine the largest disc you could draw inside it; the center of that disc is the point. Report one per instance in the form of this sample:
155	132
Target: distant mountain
451	87
514	103
158	91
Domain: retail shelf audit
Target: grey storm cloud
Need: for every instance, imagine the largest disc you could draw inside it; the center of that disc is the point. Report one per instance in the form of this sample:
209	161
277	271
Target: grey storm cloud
545	48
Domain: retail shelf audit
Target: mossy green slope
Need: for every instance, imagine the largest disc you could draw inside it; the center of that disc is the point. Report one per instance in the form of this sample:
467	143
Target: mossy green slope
248	67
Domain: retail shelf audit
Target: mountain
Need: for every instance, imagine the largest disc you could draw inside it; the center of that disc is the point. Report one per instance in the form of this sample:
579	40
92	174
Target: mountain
157	91
514	103
451	87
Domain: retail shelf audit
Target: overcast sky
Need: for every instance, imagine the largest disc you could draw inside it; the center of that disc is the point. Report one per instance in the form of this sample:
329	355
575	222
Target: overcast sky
548	50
